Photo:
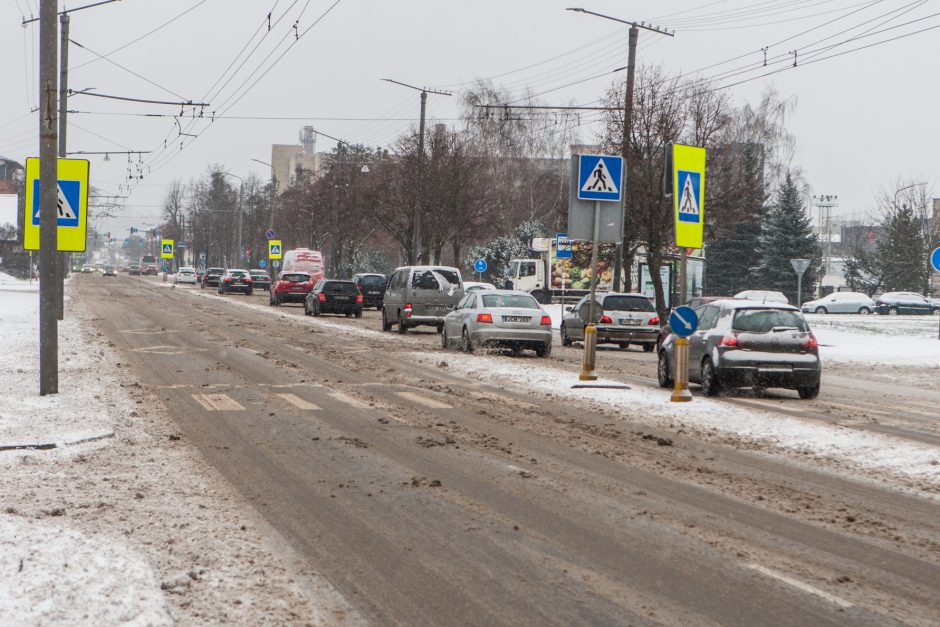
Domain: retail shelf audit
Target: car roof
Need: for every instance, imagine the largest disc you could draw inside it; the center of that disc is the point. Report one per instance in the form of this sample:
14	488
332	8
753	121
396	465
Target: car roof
505	292
743	303
438	267
337	280
368	274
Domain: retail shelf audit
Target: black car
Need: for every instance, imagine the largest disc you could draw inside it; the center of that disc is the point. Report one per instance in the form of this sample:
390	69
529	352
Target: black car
894	303
235	281
260	279
742	343
372	288
331	296
212	276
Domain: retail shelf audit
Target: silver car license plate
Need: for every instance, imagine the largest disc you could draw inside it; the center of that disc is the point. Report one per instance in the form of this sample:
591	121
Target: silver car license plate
341	297
375	293
631	322
516	318
775	367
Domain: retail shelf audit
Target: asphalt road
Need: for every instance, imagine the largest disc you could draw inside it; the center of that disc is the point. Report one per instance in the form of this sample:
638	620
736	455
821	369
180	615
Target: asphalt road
427	498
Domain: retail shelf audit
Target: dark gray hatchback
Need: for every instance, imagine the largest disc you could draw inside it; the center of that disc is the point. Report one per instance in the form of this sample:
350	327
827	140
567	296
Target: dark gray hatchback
748	344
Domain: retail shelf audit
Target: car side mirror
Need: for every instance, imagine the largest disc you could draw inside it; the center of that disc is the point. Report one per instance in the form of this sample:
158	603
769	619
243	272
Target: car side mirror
569	309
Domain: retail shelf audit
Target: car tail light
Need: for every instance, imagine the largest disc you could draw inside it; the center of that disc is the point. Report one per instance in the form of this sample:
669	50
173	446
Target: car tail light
810	342
321	297
654	320
248	280
407	309
729	341
606	320
546	321
485	317
228	280
358	299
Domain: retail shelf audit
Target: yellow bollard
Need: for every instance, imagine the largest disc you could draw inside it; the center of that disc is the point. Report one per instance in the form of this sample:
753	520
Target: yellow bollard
590	352
680	393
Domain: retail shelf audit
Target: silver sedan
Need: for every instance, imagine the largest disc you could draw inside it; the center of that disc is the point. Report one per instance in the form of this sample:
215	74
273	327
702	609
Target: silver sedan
498	318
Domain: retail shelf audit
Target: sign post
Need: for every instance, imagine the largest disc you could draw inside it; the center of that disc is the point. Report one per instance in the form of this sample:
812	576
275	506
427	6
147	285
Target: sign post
935	264
599	179
683	321
799	266
166	252
563	251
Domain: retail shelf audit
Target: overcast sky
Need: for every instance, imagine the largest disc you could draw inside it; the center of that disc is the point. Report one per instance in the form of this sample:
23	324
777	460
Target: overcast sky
862	119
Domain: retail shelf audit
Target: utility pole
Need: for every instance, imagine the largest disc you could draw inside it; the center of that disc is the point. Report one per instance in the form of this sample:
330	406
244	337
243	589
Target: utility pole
634	36
62	266
416	221
48	200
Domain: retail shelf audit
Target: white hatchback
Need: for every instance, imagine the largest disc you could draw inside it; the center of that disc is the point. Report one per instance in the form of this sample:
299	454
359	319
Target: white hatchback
185	275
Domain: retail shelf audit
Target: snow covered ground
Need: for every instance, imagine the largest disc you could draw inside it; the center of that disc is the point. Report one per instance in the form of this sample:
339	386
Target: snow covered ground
12	284
108	516
878	340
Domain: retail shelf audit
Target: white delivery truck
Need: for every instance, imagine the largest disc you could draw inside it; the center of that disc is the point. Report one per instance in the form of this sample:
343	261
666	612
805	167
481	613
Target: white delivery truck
548	277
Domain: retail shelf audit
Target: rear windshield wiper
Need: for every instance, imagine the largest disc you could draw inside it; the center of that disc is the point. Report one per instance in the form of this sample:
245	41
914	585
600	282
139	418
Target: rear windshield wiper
778	329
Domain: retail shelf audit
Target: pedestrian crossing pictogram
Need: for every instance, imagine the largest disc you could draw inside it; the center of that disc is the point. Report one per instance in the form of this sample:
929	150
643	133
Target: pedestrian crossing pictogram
599	177
68	193
689	205
600	180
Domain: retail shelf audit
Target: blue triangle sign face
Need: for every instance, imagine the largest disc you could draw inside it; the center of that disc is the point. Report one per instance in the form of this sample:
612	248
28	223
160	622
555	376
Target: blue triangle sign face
168	249
275	250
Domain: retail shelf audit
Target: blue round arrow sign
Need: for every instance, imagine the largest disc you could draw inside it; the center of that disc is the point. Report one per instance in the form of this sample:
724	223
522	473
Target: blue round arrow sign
935	259
683	321
270	233
262	263
480	265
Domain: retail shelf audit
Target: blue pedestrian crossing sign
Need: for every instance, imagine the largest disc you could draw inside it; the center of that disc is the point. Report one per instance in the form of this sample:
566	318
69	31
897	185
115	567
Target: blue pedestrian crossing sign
274	249
600	178
71	205
935	259
166	249
683	321
690	209
480	265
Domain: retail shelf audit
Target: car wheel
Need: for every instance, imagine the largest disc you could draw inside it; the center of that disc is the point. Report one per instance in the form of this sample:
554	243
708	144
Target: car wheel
349	314
378	308
864	311
402	327
936	311
544	350
710	383
386	325
624	345
466	344
316	310
662	371
445	341
893	311
565	340
306	309
358	313
808	392
821	310
248	293
648	348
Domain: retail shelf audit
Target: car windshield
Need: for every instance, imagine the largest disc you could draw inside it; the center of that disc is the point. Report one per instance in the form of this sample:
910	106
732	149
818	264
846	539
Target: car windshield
766	320
435	279
373	281
295	277
216	271
238	273
187	271
340	288
627	303
258	273
510	300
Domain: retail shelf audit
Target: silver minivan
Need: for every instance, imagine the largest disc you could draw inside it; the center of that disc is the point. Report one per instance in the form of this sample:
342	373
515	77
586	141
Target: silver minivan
420	295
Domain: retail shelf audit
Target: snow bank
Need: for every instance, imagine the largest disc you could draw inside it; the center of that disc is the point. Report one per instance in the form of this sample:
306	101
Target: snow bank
12	284
898	340
50	573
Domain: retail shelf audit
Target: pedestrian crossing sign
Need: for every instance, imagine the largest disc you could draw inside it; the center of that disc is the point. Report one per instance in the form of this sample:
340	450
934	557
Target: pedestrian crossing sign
600	178
166	249
71	205
274	249
688	181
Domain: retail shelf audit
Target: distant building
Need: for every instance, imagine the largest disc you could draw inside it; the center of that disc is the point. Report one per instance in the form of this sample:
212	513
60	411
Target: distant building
292	163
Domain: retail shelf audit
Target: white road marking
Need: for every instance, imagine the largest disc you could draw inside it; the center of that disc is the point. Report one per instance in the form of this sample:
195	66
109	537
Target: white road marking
298	402
166	350
349	400
218	402
423	400
805	587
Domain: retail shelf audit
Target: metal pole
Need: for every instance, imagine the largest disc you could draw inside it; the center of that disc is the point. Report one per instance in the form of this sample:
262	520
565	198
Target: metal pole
590	330
48	200
62	266
241	211
416	236
799	290
625	147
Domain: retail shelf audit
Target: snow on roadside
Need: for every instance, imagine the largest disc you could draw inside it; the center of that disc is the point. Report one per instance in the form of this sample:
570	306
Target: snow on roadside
12	284
875	340
877	454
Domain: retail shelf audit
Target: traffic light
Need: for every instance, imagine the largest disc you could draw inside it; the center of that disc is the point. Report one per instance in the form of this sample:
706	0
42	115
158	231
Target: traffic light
126	241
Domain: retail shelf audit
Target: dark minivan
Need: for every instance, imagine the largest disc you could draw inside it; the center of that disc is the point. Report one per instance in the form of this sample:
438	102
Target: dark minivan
372	288
332	296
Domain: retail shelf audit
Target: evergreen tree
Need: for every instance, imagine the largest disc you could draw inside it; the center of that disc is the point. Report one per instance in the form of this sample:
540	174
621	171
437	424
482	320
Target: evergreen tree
733	257
786	234
900	253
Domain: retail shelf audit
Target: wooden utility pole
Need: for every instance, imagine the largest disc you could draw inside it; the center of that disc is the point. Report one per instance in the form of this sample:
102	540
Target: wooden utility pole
48	201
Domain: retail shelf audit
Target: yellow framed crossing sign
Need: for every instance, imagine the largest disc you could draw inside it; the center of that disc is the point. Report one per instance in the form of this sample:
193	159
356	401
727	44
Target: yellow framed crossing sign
166	249
274	249
688	197
72	219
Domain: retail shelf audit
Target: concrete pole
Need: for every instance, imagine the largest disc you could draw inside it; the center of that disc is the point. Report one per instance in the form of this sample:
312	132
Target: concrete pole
625	148
416	236
63	268
48	201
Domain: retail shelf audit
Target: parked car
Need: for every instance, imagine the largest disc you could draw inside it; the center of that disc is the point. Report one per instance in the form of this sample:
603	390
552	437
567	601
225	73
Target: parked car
211	277
741	343
894	303
290	287
622	319
131	269
333	296
372	288
185	275
471	286
235	281
498	318
763	296
840	302
261	279
420	295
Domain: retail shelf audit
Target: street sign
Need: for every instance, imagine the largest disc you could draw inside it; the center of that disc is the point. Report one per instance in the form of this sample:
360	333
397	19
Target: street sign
799	265
683	321
688	172
581	213
202	258
270	234
72	219
935	259
562	246
166	249
600	178
262	263
274	249
276	263
480	265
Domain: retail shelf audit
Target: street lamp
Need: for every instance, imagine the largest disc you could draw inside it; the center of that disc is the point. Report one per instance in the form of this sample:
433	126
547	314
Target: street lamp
901	189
